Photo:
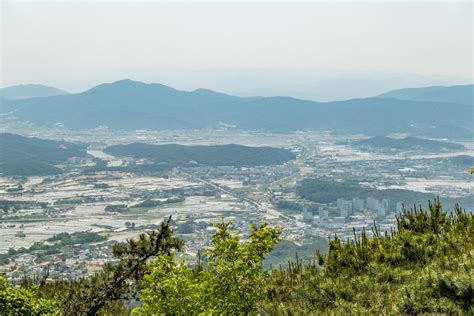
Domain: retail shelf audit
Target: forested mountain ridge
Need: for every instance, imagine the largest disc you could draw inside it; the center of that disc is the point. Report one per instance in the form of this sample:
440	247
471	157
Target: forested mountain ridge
21	155
129	104
217	155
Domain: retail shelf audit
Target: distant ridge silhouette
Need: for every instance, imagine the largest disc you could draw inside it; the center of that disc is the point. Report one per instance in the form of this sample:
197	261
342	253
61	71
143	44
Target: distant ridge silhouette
128	104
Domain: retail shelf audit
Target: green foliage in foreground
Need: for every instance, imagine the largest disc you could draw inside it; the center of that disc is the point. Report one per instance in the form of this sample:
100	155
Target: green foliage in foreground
105	292
23	301
232	281
287	251
425	266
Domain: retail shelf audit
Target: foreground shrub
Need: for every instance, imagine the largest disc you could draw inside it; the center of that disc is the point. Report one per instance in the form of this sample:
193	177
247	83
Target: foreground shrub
23	301
232	281
425	266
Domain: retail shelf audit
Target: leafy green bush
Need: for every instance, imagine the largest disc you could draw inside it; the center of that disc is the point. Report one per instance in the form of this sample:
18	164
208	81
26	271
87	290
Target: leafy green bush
23	301
233	279
106	291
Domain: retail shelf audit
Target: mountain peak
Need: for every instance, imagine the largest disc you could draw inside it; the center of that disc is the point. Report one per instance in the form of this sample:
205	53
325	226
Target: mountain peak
118	83
208	92
127	82
128	85
26	91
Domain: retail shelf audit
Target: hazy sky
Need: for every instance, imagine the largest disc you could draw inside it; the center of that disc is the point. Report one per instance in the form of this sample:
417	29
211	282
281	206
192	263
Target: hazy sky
74	45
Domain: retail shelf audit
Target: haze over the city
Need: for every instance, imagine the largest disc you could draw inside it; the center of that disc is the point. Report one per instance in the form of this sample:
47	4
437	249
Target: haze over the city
236	158
321	50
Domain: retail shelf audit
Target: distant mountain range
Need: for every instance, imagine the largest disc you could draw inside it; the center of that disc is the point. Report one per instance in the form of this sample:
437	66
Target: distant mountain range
456	94
128	104
344	87
408	143
27	91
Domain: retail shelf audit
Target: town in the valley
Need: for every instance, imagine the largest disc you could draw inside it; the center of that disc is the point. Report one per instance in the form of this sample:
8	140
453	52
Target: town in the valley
333	187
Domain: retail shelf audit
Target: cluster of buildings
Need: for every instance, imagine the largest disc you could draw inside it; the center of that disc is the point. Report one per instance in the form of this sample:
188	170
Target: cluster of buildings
381	207
79	262
347	208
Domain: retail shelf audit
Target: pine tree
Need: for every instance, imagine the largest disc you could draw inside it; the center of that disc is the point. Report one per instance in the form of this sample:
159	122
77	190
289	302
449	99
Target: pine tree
116	282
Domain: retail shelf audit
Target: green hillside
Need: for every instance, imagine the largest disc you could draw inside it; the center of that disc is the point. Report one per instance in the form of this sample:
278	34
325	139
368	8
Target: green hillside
21	155
322	190
218	155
